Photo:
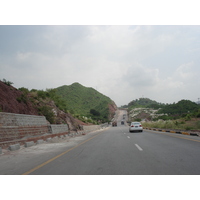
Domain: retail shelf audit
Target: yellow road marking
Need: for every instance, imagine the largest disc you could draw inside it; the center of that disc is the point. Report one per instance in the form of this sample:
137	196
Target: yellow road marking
52	159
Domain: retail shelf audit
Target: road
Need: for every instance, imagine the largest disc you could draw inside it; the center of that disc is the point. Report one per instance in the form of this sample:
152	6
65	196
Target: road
113	151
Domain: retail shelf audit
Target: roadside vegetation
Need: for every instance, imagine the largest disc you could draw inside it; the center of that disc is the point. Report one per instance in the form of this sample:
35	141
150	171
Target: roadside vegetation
184	115
42	101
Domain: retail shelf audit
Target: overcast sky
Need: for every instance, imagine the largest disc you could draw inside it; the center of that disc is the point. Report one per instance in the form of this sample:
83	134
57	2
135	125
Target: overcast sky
160	62
123	62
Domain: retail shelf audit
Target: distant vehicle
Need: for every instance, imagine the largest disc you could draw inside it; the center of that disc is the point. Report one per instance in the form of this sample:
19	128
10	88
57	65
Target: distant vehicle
122	122
114	123
136	126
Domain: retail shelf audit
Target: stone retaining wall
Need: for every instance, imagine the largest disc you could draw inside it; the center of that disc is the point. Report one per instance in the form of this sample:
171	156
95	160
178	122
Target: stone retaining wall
20	129
12	119
18	126
8	133
59	128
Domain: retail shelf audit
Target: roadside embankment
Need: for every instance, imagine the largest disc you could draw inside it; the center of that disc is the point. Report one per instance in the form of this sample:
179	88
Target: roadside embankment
28	130
46	138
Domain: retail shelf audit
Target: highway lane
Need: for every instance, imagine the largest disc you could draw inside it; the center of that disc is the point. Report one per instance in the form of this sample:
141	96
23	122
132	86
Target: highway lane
118	152
113	151
167	154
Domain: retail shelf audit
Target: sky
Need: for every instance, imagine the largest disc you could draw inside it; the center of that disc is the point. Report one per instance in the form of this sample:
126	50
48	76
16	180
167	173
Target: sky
124	62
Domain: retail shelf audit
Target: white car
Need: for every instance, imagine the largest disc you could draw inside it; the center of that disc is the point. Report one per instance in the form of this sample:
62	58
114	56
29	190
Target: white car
135	126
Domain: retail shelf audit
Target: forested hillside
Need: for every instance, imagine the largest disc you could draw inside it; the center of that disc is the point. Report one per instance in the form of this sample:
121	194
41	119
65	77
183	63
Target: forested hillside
182	108
144	103
83	101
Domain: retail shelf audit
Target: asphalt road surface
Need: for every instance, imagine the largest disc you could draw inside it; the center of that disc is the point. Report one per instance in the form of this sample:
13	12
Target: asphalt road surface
112	151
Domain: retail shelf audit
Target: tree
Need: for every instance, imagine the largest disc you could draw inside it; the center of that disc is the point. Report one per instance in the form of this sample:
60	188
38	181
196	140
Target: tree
94	112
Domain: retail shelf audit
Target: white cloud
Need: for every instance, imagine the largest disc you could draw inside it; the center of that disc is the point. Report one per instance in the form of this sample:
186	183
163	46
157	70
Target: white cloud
185	71
140	76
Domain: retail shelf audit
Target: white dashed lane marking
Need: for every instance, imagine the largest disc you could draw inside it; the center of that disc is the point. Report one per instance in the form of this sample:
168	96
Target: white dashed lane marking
138	147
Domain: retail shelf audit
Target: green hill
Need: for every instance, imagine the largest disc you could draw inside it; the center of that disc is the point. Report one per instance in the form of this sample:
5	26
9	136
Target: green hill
144	103
85	101
180	108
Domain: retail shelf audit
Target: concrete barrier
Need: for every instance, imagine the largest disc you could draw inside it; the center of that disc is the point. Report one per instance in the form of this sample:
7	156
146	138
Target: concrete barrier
29	144
14	147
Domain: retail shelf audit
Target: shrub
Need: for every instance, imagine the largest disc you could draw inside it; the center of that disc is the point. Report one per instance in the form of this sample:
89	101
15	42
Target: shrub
22	98
197	124
24	90
197	114
48	113
41	94
138	120
94	112
9	83
188	128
